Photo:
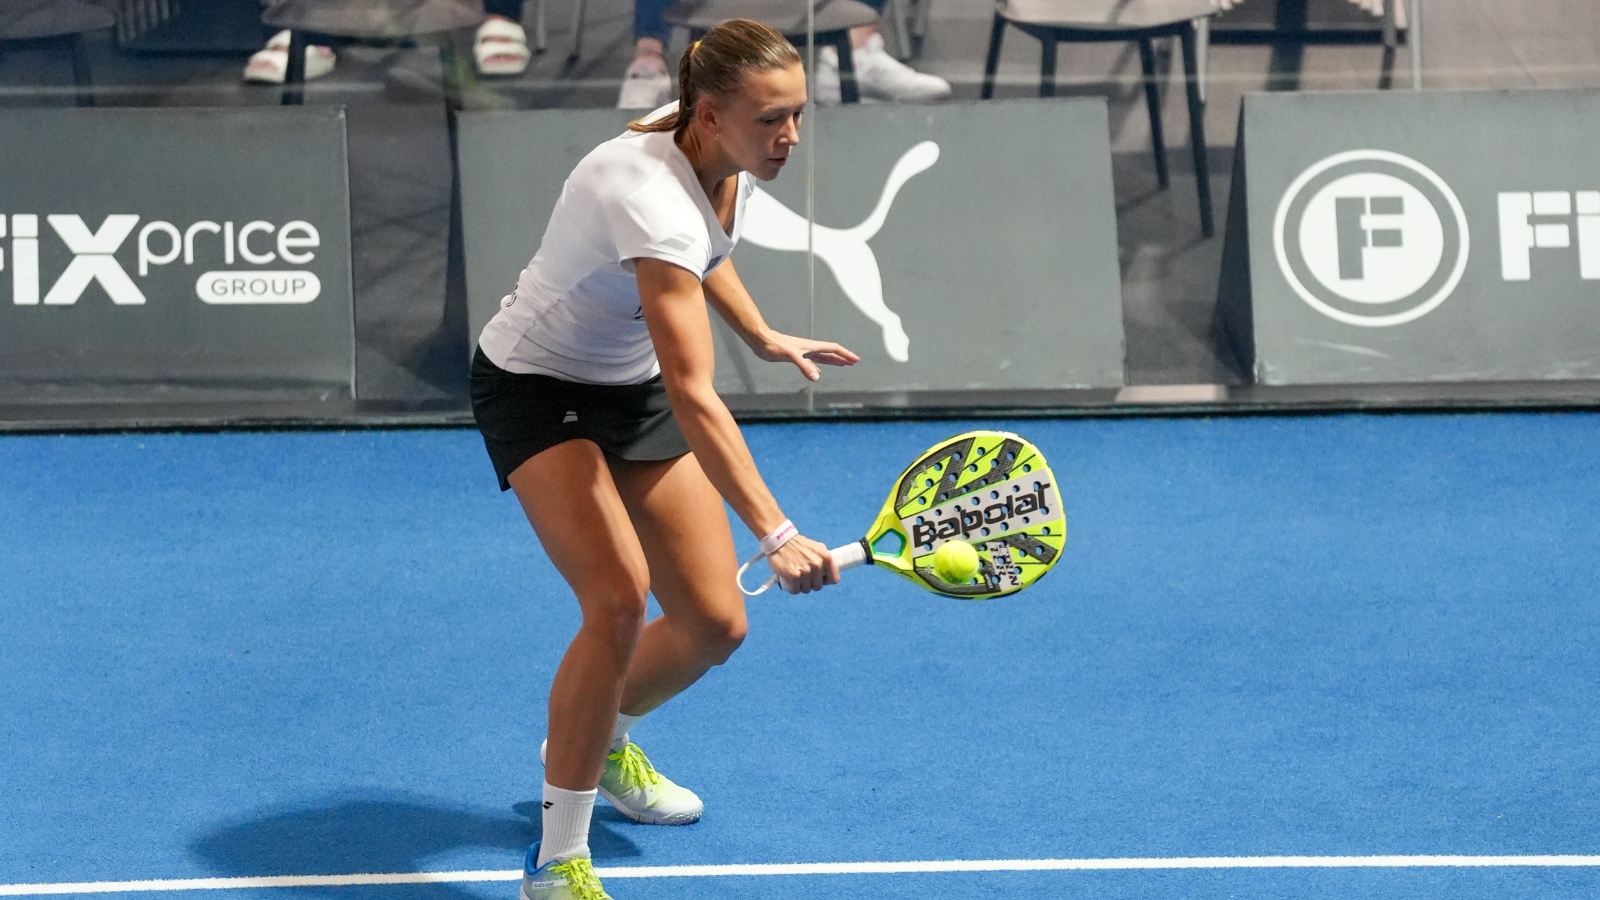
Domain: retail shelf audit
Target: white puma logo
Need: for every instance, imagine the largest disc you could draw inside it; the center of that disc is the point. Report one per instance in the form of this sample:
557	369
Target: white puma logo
774	226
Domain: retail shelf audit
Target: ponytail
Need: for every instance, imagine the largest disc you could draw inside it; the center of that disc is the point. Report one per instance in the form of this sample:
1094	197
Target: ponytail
717	64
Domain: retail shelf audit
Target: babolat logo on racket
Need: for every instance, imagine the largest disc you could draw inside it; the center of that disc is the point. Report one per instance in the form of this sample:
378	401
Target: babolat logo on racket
966	521
1371	238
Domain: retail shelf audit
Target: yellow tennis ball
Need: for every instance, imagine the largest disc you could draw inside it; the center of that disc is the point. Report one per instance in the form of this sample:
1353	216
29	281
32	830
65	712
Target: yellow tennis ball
955	562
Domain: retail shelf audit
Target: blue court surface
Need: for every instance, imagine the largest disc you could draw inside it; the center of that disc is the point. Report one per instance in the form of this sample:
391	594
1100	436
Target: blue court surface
1343	637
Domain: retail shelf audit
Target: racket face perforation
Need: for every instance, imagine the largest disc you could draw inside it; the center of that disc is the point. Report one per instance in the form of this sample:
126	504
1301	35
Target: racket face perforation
992	489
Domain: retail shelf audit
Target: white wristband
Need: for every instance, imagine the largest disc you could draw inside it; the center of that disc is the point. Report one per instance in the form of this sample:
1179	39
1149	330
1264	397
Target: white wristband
778	537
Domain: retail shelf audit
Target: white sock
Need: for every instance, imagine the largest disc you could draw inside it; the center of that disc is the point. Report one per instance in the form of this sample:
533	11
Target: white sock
619	737
566	823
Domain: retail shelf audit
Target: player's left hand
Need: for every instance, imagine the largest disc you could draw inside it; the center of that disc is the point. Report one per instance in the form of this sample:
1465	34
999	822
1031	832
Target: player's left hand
804	353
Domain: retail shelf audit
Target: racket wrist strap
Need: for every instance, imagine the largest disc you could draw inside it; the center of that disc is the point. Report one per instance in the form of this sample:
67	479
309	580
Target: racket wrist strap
779	536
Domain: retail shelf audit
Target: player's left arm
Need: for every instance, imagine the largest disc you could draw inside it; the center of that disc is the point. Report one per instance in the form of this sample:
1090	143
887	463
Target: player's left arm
727	295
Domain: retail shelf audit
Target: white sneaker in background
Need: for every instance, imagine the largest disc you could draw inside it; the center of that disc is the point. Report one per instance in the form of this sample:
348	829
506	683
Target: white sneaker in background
883	77
501	47
646	85
270	64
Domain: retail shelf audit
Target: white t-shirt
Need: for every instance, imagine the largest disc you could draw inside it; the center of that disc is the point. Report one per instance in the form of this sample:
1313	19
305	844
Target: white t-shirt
576	313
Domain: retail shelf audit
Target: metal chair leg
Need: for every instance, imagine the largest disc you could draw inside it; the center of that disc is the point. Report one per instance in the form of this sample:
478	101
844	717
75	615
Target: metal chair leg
849	88
1197	132
919	24
294	75
991	63
577	31
1414	38
1152	101
80	71
1047	66
897	14
452	69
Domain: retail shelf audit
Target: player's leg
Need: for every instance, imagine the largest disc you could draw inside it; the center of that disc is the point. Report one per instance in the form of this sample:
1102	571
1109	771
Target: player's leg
570	499
683	529
682	526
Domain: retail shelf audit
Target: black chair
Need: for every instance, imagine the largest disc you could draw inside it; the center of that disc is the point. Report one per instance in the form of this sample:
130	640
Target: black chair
834	19
1139	21
54	25
356	21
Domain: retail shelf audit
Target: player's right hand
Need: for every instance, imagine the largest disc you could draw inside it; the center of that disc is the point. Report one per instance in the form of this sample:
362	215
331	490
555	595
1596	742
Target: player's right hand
803	565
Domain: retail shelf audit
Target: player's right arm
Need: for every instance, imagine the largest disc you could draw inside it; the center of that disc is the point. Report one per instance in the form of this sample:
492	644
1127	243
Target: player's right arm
680	327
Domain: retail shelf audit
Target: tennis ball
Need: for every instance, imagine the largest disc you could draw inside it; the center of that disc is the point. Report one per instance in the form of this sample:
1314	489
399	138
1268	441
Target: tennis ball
955	562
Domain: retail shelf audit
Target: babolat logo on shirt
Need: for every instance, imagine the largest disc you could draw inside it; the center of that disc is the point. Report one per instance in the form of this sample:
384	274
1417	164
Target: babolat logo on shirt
1004	508
254	262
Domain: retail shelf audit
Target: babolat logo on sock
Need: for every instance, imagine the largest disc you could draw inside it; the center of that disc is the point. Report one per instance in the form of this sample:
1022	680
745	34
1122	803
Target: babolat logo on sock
1371	238
992	511
202	244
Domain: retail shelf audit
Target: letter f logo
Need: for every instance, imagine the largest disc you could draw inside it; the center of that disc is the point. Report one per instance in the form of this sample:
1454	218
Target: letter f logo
1350	215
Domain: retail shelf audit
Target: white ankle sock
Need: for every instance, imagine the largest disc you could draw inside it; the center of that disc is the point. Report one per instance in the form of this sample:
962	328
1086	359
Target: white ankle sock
619	737
566	823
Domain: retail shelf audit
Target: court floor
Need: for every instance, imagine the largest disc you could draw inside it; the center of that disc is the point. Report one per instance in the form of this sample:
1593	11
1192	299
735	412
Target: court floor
1367	643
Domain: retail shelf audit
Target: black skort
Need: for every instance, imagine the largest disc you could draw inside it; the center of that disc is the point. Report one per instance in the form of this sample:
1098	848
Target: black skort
523	415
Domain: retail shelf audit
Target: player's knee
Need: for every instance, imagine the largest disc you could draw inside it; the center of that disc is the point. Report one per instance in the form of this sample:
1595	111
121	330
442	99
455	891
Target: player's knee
616	609
721	636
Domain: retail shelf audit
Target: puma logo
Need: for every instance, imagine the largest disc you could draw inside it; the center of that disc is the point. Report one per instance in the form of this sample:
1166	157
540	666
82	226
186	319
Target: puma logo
774	226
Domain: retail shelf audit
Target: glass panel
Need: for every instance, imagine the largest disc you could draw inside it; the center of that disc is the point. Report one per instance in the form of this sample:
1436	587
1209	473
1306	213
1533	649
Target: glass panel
904	230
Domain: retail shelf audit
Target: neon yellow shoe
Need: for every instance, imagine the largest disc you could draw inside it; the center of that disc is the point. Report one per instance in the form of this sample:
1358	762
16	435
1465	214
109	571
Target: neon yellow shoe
634	787
569	879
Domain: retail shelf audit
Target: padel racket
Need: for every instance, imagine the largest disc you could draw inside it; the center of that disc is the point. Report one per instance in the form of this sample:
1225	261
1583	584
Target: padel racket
991	489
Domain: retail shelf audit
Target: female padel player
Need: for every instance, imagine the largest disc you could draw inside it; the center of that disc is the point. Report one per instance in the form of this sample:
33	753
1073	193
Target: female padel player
593	389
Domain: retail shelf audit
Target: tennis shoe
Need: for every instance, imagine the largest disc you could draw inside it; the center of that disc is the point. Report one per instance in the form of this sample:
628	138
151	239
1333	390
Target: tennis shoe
646	85
560	879
634	787
883	77
270	65
879	77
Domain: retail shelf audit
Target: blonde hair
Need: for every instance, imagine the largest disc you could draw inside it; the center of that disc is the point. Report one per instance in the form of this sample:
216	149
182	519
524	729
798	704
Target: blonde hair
717	64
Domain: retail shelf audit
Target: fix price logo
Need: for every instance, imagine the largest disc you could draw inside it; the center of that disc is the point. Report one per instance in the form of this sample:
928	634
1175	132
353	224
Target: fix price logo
200	245
1543	220
1371	238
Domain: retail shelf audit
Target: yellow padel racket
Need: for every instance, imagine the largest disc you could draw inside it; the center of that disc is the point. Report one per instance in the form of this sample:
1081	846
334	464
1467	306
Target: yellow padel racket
993	490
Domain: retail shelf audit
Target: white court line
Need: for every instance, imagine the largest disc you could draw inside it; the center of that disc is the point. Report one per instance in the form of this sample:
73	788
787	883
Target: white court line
843	868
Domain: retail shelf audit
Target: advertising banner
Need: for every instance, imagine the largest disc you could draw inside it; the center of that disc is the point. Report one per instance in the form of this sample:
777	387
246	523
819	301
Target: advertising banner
174	249
1405	237
964	247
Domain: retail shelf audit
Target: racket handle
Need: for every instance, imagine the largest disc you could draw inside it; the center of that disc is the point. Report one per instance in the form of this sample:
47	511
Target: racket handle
847	557
850	555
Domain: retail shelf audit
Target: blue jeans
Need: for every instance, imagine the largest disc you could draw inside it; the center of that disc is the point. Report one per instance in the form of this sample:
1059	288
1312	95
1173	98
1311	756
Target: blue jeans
647	21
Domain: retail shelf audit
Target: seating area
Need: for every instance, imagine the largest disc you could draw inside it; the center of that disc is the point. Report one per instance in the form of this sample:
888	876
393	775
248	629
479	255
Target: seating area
1171	72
